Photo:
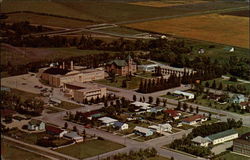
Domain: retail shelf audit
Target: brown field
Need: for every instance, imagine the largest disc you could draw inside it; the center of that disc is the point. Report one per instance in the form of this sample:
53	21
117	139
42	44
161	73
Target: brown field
46	20
242	13
166	3
224	29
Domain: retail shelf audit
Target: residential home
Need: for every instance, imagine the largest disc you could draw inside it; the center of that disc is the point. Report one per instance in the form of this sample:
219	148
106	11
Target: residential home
74	136
238	98
120	125
161	128
222	137
173	113
122	67
242	144
193	120
245	105
200	141
186	95
107	121
143	131
36	125
55	131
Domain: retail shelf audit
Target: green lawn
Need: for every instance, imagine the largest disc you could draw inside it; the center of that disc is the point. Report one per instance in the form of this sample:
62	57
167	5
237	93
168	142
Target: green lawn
10	152
89	148
158	158
133	84
243	130
169	96
232	156
67	105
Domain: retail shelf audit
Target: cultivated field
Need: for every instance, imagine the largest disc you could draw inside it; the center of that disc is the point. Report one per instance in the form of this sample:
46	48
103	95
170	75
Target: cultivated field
164	3
111	11
242	13
230	30
46	20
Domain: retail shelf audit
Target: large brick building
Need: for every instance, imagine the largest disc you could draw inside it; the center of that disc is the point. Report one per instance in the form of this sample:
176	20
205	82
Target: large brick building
242	144
57	76
122	67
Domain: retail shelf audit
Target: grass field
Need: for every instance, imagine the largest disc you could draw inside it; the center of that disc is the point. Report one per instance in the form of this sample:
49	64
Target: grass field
46	20
158	158
133	84
121	30
211	27
89	148
10	152
110	11
232	156
166	3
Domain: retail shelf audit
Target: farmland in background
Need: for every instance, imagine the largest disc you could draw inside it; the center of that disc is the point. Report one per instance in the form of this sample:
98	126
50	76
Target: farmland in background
230	30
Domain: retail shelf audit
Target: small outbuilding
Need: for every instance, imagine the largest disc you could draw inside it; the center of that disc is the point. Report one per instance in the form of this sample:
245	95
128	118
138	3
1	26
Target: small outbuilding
107	121
120	125
74	136
143	131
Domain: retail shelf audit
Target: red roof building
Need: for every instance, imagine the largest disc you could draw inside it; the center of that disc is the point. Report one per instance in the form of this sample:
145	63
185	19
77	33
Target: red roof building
192	120
55	131
173	113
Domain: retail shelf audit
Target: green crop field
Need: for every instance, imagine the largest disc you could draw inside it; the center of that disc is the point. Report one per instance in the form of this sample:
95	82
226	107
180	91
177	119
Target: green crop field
89	148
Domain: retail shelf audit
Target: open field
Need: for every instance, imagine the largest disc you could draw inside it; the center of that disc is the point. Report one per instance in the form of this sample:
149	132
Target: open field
242	13
10	152
46	20
121	30
158	158
111	11
211	27
165	3
89	148
232	156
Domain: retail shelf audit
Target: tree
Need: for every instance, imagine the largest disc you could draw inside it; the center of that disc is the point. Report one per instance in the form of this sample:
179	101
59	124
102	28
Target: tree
172	158
65	125
191	109
150	99
213	85
124	83
220	86
197	110
185	106
134	97
178	106
157	101
209	116
75	129
84	134
207	84
164	102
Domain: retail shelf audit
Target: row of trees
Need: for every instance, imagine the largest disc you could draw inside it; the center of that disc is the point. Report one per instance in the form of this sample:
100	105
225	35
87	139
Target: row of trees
135	155
30	106
153	85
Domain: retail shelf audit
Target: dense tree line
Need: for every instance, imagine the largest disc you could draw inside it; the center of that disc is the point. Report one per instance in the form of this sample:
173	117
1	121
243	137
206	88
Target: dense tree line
157	84
135	155
30	106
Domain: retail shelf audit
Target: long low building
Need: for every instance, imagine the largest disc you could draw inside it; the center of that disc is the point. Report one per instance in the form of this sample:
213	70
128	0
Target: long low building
222	137
242	144
83	91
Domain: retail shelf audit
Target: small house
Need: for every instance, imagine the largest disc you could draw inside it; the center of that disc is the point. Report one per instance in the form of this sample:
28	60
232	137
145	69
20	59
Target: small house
245	105
74	136
200	141
173	114
55	131
186	95
161	128
120	125
143	131
193	120
107	121
222	137
238	98
36	125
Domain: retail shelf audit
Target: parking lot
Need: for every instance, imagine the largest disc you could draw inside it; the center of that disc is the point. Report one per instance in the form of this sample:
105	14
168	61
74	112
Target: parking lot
25	82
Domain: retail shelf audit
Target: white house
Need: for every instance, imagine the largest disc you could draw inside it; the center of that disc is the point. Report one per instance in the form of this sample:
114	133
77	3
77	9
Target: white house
120	125
222	137
200	141
55	131
74	136
107	120
141	104
36	125
143	131
185	94
161	128
147	67
193	120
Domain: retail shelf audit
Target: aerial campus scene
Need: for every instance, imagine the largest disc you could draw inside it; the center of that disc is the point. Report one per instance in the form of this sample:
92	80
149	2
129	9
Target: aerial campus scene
125	80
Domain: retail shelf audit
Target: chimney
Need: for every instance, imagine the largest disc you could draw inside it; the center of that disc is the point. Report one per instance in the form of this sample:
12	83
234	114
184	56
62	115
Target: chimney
63	65
71	65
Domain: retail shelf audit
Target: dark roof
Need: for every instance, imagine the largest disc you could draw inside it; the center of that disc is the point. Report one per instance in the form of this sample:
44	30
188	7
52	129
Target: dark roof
245	136
53	129
118	62
118	124
222	134
193	118
7	112
172	113
54	70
